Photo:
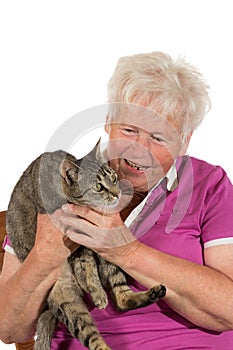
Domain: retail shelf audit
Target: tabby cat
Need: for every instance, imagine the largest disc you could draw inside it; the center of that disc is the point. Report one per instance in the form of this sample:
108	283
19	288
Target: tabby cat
51	180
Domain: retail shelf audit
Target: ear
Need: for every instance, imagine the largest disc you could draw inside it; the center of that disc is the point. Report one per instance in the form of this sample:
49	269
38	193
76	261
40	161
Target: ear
95	152
97	149
186	141
68	171
107	125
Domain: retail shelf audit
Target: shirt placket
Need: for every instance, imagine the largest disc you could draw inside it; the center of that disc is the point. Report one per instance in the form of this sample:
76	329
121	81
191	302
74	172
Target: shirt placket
151	211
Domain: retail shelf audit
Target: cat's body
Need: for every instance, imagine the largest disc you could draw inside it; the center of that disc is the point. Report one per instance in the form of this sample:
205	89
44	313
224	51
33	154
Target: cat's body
50	181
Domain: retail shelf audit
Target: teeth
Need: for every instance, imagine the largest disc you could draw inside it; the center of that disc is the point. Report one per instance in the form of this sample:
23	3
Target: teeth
135	166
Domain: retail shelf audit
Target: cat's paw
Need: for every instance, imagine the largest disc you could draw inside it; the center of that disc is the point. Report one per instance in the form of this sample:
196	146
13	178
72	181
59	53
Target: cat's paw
157	292
100	300
98	344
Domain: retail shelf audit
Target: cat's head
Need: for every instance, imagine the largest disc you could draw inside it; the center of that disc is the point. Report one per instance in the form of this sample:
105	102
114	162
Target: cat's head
90	180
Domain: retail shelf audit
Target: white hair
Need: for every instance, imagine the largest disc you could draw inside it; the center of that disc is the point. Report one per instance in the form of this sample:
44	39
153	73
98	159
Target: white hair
175	89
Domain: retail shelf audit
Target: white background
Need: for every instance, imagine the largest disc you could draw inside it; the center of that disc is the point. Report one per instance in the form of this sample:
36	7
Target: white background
57	56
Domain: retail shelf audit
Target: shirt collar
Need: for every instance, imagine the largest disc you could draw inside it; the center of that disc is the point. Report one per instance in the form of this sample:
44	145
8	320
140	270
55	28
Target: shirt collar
172	178
172	183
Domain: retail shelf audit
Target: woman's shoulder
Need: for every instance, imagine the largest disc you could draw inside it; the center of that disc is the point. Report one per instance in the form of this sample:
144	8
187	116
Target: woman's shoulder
201	170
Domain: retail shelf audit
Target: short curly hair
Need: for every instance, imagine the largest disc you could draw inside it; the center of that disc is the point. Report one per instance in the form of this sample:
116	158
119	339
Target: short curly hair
173	88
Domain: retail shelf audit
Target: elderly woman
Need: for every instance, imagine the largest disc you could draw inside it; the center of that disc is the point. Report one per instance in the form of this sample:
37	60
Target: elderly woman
177	229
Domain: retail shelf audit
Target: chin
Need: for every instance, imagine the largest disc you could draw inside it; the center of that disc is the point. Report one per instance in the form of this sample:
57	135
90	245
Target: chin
139	187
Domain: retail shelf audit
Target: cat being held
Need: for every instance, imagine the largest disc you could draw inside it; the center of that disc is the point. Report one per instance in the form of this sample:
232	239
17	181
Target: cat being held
52	180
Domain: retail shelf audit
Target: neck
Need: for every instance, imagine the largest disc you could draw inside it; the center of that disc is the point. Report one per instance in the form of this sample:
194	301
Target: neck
136	199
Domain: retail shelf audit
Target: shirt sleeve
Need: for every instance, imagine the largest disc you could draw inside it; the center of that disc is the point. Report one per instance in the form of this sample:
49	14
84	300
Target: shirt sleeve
7	246
217	215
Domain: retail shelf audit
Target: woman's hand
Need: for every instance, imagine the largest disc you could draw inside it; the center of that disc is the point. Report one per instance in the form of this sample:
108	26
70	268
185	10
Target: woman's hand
104	233
51	245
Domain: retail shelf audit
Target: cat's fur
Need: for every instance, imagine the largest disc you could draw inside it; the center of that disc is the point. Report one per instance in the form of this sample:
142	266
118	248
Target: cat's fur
50	181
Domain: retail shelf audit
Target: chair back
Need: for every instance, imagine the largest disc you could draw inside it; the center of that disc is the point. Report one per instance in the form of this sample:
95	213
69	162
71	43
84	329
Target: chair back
2	235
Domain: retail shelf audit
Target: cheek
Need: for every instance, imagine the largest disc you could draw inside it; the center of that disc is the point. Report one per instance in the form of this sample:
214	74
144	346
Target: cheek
115	152
116	145
165	159
114	164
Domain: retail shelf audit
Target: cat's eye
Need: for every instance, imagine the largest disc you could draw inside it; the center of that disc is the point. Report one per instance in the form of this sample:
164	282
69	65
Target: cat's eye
98	187
114	178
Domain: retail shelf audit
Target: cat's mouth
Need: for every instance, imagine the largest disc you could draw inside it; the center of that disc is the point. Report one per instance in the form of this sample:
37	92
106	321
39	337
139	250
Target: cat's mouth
107	206
96	200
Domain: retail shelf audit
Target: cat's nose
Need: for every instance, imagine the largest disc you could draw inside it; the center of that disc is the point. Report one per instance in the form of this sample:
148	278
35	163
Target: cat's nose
114	190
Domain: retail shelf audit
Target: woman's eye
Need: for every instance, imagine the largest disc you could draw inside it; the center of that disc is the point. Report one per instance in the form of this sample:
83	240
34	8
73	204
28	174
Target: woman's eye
128	131
157	139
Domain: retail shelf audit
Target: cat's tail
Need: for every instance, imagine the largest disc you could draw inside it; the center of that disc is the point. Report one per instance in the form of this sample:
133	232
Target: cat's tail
45	329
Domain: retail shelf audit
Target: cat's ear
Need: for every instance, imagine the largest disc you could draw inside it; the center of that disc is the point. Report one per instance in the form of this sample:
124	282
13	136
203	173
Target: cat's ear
97	149
95	152
69	171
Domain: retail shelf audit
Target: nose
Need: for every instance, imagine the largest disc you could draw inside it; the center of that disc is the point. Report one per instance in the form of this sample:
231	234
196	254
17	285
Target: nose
144	139
141	145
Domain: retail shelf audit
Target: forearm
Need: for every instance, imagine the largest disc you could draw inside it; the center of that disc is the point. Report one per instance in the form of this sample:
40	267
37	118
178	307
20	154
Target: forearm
22	299
194	291
200	294
24	287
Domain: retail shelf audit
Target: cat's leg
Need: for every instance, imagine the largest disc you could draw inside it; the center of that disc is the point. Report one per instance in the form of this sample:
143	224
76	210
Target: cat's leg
126	299
66	303
84	264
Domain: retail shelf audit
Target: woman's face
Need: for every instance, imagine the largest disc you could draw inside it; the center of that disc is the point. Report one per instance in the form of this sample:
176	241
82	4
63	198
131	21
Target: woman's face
142	146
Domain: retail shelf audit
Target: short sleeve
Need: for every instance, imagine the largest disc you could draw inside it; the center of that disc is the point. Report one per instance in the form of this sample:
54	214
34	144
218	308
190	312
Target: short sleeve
217	214
7	246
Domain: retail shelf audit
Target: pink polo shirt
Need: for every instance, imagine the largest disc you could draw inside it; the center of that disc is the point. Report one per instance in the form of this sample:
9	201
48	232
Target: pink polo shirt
197	214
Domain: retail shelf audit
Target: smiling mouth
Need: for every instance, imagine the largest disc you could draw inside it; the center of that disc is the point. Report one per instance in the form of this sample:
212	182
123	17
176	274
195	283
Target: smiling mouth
136	166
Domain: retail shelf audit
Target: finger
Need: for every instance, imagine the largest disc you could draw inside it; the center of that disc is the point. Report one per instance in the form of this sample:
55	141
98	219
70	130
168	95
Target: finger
87	212
81	238
100	219
71	245
82	211
54	219
75	213
78	224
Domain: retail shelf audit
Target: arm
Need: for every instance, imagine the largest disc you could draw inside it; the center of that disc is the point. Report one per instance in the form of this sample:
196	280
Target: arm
201	294
24	287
